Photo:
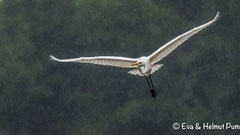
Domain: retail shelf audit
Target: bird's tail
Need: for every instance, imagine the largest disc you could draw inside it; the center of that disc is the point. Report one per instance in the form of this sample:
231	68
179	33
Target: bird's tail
155	67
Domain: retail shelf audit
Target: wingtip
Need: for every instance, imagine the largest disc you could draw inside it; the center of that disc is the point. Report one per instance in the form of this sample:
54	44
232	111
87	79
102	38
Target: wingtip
217	16
53	58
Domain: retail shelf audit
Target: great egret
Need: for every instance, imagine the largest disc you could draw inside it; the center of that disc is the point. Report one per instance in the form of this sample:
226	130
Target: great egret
145	65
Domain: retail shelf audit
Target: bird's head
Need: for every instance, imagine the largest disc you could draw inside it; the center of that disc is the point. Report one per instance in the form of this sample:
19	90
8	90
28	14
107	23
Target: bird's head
140	62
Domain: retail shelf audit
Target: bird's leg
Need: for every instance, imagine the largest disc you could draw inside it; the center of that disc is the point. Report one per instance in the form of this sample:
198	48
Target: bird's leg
150	78
148	82
153	92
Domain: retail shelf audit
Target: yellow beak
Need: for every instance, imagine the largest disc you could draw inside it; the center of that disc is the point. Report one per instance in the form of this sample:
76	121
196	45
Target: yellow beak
135	64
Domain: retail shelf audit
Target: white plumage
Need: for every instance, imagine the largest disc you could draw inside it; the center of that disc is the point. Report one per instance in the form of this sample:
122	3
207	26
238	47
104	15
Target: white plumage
102	60
155	67
143	65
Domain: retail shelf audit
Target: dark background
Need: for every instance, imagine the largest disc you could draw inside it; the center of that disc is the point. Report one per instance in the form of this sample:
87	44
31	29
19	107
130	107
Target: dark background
199	82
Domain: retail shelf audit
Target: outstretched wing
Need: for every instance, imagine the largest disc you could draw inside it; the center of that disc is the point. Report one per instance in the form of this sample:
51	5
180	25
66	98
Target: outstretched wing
173	44
102	60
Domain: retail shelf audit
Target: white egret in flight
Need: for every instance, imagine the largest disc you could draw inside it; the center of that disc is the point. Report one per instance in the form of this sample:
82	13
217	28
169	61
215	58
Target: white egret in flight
145	65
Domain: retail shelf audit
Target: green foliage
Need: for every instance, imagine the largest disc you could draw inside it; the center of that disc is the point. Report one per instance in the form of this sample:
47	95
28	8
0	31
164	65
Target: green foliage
199	82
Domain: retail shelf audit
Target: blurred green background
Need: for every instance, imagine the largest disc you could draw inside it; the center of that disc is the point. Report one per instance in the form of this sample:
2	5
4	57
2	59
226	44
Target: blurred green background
199	82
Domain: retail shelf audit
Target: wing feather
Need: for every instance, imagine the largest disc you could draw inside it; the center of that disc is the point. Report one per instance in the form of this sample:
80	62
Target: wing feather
173	44
102	60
